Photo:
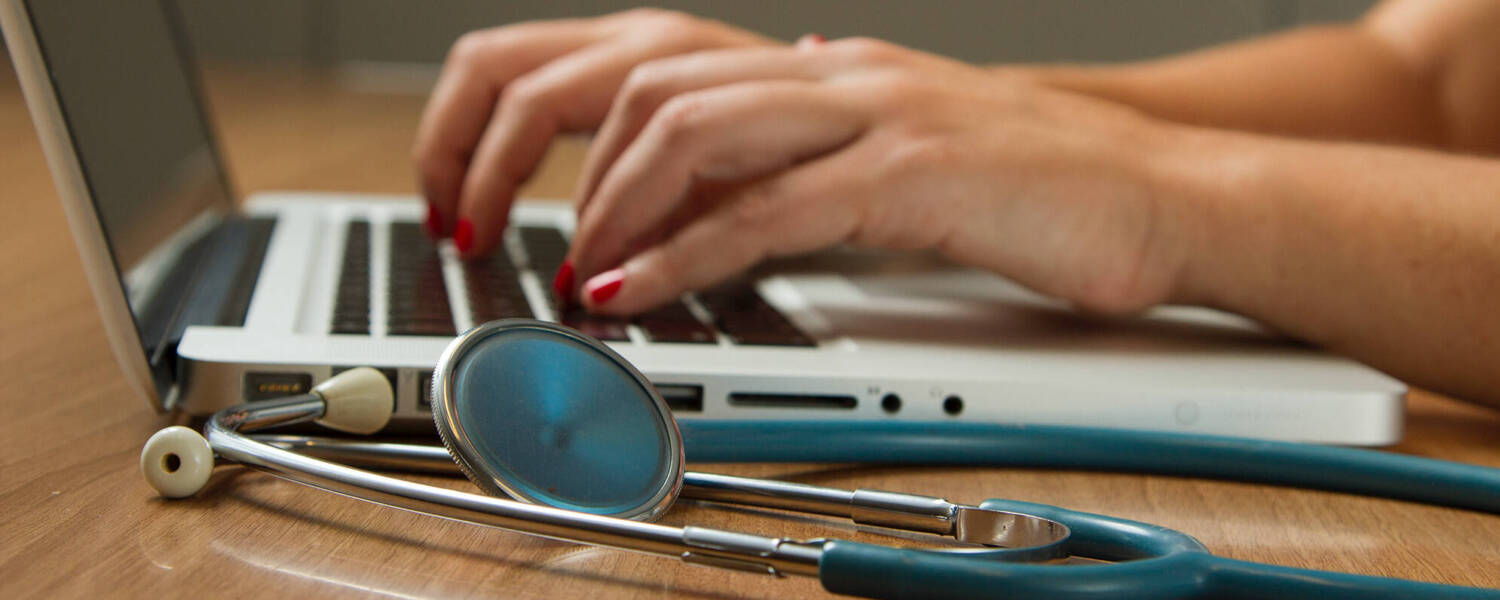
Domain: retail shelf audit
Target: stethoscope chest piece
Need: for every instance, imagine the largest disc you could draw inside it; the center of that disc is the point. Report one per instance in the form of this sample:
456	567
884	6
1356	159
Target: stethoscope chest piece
543	414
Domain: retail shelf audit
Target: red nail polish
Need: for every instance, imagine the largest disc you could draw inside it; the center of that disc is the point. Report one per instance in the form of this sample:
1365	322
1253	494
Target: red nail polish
815	38
434	223
562	283
463	235
605	285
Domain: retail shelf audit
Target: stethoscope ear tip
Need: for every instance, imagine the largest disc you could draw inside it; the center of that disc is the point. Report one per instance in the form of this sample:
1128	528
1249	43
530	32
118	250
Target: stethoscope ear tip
177	462
356	401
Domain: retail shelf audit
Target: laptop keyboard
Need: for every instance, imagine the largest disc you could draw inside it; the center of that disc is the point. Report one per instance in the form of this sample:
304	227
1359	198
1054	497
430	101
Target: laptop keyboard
418	302
493	287
417	298
351	307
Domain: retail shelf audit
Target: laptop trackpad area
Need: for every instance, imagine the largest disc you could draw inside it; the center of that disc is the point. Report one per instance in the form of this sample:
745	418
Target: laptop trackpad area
877	298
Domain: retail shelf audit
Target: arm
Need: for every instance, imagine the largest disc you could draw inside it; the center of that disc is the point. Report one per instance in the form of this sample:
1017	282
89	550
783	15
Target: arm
1401	75
1391	256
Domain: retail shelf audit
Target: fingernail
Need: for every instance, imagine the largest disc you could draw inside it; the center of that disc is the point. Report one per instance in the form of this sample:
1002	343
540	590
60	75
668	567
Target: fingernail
434	223
463	235
562	283
810	40
604	286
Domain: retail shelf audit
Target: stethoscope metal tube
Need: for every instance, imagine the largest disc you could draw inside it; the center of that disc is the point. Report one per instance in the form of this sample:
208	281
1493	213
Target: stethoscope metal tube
909	512
772	556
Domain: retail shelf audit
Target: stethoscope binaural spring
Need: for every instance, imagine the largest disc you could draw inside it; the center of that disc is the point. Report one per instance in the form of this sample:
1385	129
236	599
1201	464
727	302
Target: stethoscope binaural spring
541	413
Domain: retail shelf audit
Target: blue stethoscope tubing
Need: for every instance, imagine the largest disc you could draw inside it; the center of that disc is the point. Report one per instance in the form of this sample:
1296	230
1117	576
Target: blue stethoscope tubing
1161	563
1330	468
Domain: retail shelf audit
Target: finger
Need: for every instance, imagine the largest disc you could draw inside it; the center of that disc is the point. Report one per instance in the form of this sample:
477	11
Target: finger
809	41
651	84
478	67
571	93
735	132
804	209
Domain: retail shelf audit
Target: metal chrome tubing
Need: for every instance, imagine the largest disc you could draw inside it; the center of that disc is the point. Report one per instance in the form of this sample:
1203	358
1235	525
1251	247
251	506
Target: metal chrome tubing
869	507
273	413
728	549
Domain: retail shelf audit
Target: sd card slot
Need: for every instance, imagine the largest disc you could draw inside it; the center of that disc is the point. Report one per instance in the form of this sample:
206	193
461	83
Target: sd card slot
766	400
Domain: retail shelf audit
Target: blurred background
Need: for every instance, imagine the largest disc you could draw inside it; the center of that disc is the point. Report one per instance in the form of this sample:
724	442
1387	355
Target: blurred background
325	94
408	35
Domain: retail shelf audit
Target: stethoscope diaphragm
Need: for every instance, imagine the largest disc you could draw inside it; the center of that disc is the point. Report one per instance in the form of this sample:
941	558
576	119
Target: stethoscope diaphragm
540	413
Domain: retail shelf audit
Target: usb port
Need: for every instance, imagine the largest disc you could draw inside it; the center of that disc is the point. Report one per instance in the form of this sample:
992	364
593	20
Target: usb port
681	397
424	389
764	400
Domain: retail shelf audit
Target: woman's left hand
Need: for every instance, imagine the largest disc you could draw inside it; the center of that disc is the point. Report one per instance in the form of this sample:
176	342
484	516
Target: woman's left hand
710	162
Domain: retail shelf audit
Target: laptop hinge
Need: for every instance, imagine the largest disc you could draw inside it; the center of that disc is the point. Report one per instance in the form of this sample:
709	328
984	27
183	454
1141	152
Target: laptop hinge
170	400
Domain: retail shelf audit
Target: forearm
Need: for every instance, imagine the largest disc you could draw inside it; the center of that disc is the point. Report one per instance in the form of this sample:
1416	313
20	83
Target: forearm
1328	82
1391	256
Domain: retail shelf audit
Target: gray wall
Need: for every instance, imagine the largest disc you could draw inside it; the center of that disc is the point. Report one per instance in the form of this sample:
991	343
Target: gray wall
331	31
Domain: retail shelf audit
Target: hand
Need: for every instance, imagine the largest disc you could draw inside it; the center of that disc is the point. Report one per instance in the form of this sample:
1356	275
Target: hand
711	162
505	92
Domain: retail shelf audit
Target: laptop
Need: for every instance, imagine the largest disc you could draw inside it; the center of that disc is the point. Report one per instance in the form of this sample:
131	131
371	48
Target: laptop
208	301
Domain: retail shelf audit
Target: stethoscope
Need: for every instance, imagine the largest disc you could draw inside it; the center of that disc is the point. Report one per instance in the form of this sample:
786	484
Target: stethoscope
590	452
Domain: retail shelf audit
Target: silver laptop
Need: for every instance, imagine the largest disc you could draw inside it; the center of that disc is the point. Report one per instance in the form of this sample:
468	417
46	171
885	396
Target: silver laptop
208	302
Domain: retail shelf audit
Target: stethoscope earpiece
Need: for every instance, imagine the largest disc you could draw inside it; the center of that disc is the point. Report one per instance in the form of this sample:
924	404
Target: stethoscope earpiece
177	462
358	401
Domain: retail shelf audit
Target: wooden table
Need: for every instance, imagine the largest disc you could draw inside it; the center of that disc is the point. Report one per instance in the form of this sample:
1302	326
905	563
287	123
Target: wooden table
76	518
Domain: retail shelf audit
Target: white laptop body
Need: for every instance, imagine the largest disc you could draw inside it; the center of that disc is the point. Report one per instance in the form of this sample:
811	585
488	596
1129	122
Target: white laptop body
884	337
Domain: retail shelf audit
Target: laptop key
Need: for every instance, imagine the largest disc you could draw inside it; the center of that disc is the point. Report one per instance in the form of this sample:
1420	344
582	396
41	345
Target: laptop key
351	308
674	323
493	289
545	248
417	301
441	329
748	319
351	326
611	329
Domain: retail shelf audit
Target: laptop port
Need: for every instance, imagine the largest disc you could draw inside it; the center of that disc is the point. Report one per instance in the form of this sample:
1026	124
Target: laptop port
681	397
263	385
424	389
765	400
891	403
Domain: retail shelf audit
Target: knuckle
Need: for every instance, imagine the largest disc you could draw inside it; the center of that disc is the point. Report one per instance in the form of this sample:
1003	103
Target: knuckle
526	95
921	155
669	19
757	207
864	49
894	92
644	13
672	264
672	29
644	87
470	49
681	118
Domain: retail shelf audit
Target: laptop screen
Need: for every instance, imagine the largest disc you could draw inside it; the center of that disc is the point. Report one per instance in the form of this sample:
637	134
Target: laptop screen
130	101
127	89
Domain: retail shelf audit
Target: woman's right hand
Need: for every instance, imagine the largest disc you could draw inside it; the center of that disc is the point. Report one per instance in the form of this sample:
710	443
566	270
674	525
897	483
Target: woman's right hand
504	93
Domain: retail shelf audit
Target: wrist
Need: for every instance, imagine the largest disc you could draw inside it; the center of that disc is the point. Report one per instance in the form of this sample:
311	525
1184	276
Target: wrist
1214	232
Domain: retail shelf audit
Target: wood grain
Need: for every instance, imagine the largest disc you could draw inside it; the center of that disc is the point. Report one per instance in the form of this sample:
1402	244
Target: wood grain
76	519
